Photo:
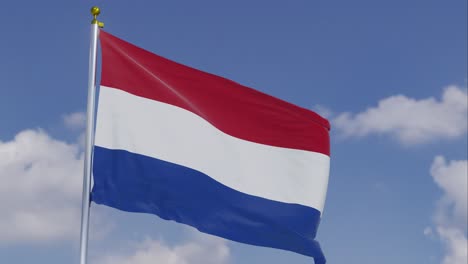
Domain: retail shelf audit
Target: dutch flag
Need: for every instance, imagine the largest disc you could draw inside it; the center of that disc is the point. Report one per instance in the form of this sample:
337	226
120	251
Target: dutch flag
204	151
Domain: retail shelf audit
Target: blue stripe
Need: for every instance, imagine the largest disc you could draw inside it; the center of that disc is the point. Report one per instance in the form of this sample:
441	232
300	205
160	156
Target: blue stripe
137	183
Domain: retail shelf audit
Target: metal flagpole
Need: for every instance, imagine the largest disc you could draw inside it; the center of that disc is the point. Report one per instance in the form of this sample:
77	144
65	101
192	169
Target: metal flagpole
95	24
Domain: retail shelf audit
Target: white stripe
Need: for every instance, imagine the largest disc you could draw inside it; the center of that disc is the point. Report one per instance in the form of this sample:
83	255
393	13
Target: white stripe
173	134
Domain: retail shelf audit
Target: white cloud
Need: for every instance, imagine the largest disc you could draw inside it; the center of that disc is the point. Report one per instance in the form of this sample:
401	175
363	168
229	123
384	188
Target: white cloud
323	111
75	120
456	244
40	188
202	250
410	120
451	210
452	178
428	232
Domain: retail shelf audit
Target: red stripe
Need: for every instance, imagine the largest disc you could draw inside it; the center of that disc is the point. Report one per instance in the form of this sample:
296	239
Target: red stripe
232	108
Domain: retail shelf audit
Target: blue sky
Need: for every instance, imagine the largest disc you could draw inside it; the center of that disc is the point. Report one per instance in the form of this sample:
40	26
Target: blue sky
390	75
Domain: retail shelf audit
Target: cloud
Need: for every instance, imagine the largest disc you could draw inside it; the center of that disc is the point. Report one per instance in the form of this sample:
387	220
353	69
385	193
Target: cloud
202	250
452	178
75	120
450	215
410	120
40	188
323	111
456	245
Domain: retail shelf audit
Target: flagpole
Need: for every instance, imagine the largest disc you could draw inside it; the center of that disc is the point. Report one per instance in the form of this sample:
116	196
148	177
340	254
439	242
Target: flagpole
89	141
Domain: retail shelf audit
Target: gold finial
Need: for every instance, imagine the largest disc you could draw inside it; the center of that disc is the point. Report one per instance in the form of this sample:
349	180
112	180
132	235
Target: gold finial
95	11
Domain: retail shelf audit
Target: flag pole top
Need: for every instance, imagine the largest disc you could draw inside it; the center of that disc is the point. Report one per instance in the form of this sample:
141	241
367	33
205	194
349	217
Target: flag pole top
95	11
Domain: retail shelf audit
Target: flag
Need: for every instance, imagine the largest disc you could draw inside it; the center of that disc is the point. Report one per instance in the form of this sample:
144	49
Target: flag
207	152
